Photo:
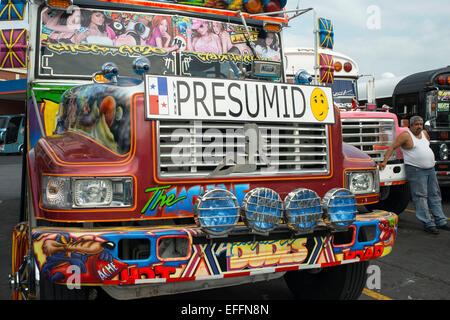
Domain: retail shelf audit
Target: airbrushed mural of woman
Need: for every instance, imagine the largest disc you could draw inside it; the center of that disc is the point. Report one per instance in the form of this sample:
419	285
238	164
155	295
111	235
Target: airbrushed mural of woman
162	32
224	36
94	29
63	26
268	47
203	39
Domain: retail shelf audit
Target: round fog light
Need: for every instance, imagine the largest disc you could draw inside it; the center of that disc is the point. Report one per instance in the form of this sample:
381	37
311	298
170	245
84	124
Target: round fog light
302	210
262	210
217	212
340	207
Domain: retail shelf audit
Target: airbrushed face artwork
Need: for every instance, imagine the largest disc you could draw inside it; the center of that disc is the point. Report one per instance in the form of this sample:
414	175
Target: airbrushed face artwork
181	199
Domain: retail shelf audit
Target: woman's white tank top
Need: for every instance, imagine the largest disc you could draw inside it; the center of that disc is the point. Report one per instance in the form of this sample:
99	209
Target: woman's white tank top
420	155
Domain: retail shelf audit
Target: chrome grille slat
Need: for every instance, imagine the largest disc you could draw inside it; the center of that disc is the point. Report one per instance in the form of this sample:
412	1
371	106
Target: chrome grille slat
192	148
365	135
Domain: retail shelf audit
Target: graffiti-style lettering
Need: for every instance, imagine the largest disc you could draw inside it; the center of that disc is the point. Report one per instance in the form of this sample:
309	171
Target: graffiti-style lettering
162	199
107	271
180	200
132	273
97	49
266	253
369	252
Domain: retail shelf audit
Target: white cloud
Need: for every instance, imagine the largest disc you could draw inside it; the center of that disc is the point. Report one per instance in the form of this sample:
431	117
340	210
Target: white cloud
413	34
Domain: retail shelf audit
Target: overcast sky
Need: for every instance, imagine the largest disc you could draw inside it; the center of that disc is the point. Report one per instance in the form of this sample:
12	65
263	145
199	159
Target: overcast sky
400	37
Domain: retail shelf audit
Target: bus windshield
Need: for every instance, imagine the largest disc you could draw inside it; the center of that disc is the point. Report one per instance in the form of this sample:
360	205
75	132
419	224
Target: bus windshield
443	109
343	92
76	45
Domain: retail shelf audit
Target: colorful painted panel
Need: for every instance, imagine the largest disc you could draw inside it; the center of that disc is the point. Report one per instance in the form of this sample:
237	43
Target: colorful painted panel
168	200
13	48
101	113
94	257
12	10
326	33
326	68
118	37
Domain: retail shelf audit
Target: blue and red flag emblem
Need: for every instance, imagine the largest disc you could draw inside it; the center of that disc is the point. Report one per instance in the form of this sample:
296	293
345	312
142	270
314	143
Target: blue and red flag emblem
157	95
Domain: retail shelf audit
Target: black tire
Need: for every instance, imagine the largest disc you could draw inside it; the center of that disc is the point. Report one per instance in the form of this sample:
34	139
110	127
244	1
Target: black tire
343	282
51	291
397	200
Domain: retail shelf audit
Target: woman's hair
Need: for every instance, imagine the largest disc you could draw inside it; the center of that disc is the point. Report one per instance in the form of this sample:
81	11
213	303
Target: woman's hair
63	18
262	42
86	20
209	27
156	21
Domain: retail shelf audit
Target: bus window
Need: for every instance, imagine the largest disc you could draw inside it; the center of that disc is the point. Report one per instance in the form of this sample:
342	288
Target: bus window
343	92
406	105
117	37
3	122
443	109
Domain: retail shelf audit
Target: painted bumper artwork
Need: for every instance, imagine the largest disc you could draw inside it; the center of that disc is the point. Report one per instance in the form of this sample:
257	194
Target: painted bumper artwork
94	257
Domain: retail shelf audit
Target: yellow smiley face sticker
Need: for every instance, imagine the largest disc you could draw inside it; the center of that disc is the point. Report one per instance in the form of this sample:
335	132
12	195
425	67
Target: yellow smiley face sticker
319	104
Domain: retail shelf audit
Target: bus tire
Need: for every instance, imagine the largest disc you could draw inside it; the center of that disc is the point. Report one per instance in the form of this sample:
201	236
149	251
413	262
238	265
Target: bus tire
342	282
397	200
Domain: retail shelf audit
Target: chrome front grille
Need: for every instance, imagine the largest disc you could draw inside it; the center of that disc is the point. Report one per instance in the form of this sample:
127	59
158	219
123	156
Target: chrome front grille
372	136
208	149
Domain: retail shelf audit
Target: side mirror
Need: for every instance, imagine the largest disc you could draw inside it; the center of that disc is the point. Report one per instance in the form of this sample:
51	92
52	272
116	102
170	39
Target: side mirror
110	71
141	66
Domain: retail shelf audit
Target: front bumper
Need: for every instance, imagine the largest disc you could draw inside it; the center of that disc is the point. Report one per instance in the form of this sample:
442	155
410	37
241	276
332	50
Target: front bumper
96	256
443	178
393	174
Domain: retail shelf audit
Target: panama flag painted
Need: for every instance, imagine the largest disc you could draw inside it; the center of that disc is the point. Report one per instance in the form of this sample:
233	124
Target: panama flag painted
157	95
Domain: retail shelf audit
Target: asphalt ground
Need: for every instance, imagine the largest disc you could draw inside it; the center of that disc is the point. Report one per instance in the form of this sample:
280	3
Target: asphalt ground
416	269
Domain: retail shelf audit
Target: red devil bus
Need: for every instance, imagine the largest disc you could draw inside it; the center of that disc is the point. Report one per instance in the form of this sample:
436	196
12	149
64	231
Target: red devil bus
167	153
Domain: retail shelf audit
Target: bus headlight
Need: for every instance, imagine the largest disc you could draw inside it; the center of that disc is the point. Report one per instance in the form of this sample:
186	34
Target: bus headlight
361	182
78	192
56	192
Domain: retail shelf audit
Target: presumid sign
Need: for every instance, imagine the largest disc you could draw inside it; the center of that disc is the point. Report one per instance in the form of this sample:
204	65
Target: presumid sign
182	98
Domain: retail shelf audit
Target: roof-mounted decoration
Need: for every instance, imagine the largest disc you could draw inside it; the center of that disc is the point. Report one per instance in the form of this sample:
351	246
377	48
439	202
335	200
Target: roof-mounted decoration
326	33
250	6
12	9
326	68
13	48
